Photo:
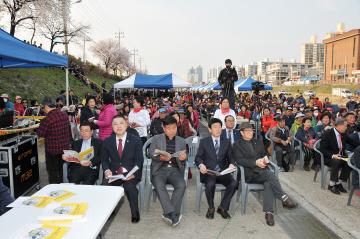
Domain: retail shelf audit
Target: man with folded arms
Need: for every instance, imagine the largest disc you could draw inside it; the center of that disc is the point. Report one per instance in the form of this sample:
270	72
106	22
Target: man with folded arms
169	170
250	153
120	153
214	153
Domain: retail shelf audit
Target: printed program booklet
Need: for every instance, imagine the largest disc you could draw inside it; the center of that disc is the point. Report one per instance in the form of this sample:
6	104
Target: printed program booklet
75	157
33	201
121	176
159	152
60	195
224	172
65	212
39	231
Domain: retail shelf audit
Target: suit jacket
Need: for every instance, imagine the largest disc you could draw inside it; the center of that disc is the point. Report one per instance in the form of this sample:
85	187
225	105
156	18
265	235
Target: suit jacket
206	154
236	134
245	153
329	145
131	156
96	143
159	142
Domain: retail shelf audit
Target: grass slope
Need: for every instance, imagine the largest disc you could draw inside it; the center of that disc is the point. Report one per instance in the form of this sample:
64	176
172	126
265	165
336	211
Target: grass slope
35	83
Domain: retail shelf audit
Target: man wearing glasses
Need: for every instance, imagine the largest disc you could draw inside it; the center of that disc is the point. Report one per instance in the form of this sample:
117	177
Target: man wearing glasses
250	153
87	171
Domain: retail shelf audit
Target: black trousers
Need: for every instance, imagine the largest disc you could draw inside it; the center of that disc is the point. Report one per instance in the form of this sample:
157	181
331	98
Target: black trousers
336	166
131	193
54	167
285	156
210	184
143	139
272	188
80	174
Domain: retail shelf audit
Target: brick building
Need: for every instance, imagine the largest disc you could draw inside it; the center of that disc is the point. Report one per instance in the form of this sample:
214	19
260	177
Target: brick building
342	58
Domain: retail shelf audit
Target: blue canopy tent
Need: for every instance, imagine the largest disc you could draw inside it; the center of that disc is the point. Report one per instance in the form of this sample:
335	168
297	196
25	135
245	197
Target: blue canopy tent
15	53
246	85
204	87
210	86
236	84
141	81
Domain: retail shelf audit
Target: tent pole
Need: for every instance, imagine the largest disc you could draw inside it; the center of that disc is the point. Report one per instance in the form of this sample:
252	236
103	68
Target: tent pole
67	86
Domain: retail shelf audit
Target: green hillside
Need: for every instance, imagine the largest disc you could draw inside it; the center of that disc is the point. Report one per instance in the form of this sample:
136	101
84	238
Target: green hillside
36	83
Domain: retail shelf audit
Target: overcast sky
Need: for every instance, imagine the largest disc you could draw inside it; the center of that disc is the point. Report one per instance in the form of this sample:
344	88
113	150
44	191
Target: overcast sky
173	35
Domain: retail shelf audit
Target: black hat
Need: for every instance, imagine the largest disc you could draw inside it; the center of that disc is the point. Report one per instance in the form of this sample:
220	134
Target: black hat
228	61
279	117
289	108
49	102
307	110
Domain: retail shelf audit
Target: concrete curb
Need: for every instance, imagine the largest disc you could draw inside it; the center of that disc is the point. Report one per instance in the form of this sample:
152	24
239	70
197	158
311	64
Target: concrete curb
315	211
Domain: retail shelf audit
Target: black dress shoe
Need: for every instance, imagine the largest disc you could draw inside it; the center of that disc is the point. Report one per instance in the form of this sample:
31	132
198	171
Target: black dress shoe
135	218
306	168
269	217
289	203
210	213
341	188
223	213
334	189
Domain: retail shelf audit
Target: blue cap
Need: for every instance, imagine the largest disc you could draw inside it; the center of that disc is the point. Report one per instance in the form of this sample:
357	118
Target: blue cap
162	110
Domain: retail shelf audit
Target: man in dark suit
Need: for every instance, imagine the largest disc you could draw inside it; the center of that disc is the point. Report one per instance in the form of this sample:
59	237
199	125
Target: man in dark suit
214	153
250	153
120	153
333	145
229	132
87	171
169	170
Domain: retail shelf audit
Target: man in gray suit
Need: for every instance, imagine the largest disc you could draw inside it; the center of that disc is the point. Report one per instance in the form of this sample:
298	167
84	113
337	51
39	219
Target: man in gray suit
169	170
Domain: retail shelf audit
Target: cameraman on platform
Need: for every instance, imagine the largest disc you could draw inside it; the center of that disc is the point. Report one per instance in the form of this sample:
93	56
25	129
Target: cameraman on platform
226	79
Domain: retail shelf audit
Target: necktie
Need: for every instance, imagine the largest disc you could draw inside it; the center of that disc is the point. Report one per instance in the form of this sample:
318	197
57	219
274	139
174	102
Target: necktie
120	148
229	136
217	147
340	143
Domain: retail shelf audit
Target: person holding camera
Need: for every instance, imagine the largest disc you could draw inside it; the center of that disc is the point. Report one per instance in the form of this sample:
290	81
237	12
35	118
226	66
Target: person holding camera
226	79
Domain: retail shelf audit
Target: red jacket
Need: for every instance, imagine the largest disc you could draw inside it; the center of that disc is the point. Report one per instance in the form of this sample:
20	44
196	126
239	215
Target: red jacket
195	119
19	108
267	122
246	115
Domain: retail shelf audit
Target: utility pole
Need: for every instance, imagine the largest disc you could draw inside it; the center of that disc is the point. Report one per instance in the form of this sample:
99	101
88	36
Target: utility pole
140	61
134	53
65	20
119	35
86	38
65	5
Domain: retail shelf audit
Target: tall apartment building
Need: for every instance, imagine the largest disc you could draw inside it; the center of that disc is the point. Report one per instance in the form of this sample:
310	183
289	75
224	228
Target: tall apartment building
280	72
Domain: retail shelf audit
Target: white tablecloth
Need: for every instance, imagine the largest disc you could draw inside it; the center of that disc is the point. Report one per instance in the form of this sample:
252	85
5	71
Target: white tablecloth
101	202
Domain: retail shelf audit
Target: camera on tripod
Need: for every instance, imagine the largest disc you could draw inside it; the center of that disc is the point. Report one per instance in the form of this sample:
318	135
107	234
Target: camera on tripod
257	86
